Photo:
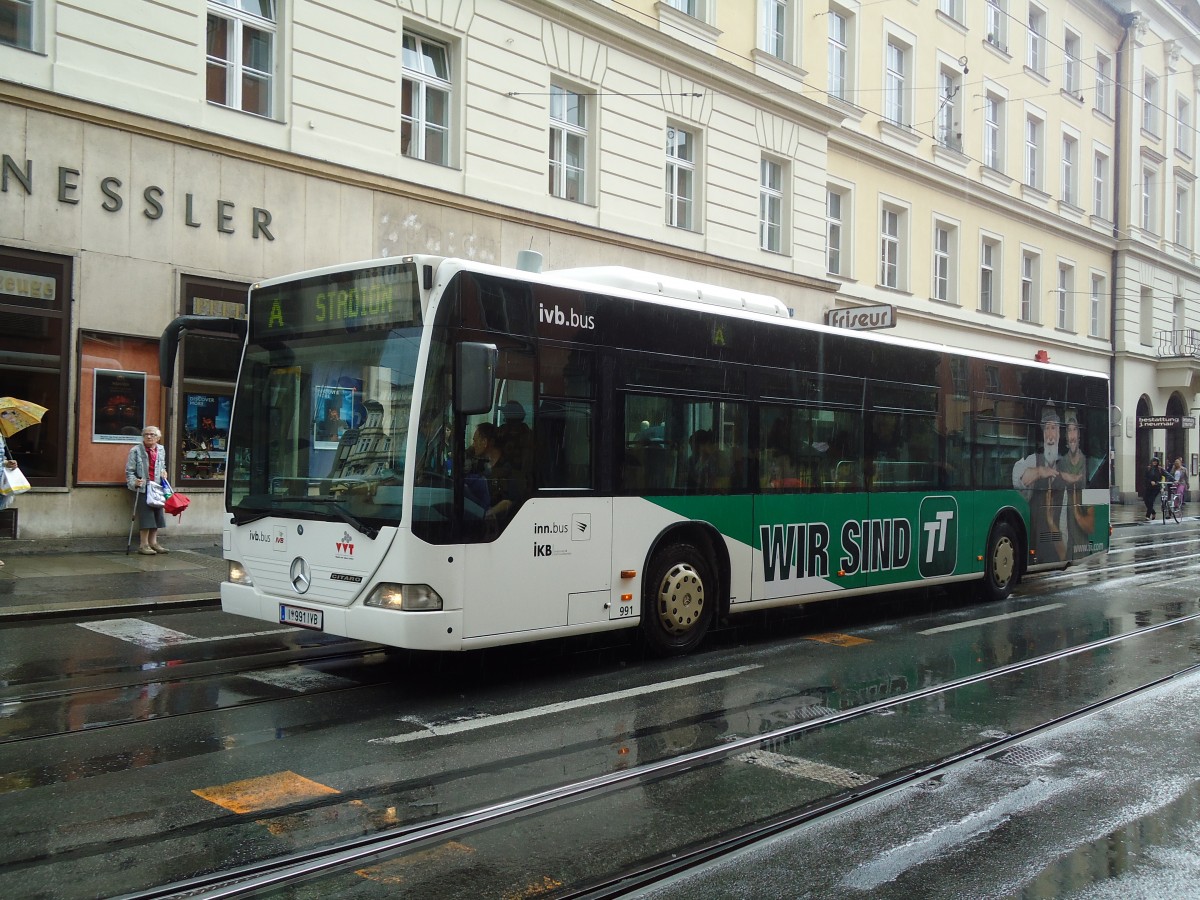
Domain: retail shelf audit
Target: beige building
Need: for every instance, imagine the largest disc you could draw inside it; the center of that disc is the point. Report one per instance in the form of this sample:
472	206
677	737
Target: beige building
966	162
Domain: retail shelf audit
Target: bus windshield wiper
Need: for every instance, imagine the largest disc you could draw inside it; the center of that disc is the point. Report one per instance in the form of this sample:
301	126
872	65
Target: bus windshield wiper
335	505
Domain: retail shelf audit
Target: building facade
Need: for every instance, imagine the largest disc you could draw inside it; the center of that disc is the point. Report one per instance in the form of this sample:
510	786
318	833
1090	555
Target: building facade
963	162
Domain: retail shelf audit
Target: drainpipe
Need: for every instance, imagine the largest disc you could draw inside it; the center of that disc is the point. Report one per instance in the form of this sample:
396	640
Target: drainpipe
1127	21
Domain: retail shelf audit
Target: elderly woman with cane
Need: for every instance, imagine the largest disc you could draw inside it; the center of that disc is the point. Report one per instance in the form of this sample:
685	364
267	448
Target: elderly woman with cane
147	463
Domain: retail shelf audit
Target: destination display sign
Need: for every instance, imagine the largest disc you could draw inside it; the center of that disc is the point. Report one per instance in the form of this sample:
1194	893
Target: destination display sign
365	299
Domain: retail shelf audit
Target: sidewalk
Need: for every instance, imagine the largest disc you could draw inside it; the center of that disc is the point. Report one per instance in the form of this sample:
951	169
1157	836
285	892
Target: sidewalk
95	575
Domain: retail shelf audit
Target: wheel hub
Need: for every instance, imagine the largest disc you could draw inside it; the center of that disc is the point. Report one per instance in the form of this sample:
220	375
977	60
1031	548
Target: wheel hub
680	599
1004	563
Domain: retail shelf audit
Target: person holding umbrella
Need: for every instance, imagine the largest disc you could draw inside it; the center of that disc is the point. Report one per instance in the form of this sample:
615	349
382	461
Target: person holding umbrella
15	415
147	462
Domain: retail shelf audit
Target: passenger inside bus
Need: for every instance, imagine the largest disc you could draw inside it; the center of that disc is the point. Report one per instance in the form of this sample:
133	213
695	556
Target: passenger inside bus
506	483
708	472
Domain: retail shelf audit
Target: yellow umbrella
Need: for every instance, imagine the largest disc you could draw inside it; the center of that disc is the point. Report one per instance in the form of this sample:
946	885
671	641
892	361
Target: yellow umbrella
18	414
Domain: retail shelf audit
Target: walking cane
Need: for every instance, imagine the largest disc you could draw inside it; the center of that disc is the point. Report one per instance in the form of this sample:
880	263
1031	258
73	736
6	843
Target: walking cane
132	519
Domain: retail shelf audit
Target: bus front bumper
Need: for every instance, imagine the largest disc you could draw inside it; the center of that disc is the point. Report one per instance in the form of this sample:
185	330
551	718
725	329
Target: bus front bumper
440	630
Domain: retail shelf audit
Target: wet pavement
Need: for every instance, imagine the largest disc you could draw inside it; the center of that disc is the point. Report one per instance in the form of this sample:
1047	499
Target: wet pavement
97	574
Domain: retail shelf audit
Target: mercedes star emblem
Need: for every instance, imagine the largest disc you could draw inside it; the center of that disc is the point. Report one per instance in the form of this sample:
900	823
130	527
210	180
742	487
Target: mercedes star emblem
301	578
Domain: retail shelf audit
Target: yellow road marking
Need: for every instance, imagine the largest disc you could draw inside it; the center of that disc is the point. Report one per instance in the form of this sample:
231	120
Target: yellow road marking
267	792
838	640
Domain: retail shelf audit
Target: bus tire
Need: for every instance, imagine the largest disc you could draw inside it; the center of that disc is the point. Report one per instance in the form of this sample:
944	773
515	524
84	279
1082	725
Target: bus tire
679	597
1002	564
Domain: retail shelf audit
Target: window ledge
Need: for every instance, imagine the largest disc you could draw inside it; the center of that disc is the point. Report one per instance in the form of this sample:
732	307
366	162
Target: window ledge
1034	195
901	133
671	20
768	65
854	112
995	177
950	157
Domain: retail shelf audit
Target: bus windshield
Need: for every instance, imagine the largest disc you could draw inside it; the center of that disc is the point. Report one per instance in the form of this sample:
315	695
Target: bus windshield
321	414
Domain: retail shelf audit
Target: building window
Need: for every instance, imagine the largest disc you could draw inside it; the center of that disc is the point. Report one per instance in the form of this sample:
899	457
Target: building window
568	145
1071	63
770	206
997	24
834	229
1070	159
1100	185
839	54
1149	187
36	360
989	260
891	246
1035	57
207	371
1183	214
241	54
16	23
1064	297
1096	307
993	132
949	109
895	99
1183	126
1146	316
776	25
951	8
425	101
944	253
681	178
1104	83
1149	104
1033	152
1029	280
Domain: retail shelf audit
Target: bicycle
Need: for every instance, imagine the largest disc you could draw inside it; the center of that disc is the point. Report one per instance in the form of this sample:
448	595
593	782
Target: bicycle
1171	500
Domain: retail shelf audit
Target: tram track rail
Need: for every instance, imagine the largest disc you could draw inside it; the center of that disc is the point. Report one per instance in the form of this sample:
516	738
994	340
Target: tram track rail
293	869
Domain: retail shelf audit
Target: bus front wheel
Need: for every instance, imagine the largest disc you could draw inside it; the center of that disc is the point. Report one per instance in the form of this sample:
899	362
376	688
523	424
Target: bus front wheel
1002	565
679	597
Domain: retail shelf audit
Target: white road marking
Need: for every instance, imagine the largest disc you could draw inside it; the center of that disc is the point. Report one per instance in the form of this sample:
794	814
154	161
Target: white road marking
300	679
155	637
795	767
429	730
990	619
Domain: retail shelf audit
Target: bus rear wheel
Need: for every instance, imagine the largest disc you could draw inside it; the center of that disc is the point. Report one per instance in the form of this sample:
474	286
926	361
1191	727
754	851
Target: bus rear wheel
679	597
1002	566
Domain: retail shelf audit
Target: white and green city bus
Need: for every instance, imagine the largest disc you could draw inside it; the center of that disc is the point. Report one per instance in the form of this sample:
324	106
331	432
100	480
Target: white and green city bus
654	453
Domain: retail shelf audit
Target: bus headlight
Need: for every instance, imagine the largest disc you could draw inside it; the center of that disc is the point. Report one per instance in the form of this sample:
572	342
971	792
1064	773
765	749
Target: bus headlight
237	573
408	597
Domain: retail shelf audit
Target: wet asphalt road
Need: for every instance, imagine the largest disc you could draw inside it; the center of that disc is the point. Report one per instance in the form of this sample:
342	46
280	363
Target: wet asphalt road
140	749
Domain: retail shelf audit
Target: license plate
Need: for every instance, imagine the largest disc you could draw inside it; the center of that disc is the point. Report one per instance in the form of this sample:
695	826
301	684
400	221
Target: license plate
302	618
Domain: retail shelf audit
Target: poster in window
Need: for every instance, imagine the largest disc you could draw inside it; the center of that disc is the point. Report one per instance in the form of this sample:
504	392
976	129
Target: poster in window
205	435
335	414
118	406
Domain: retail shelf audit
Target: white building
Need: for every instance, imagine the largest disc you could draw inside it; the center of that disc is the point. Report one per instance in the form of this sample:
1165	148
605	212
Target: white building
964	162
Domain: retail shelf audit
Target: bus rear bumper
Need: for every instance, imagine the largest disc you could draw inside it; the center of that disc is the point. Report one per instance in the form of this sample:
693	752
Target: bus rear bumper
441	630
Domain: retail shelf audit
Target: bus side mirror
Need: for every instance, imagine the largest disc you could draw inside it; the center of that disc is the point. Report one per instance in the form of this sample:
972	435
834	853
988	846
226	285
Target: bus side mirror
475	377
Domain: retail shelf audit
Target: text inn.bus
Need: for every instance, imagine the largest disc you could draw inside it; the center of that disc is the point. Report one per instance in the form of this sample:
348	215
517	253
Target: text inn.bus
432	453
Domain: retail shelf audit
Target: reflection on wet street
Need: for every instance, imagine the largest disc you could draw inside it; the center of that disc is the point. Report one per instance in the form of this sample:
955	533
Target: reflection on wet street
145	749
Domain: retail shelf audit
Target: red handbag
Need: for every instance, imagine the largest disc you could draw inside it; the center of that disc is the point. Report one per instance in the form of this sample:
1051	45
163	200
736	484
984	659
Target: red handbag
176	504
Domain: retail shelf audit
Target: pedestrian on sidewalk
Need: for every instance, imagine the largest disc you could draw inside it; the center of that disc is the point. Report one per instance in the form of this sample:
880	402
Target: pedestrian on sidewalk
6	500
147	462
1179	475
1151	486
